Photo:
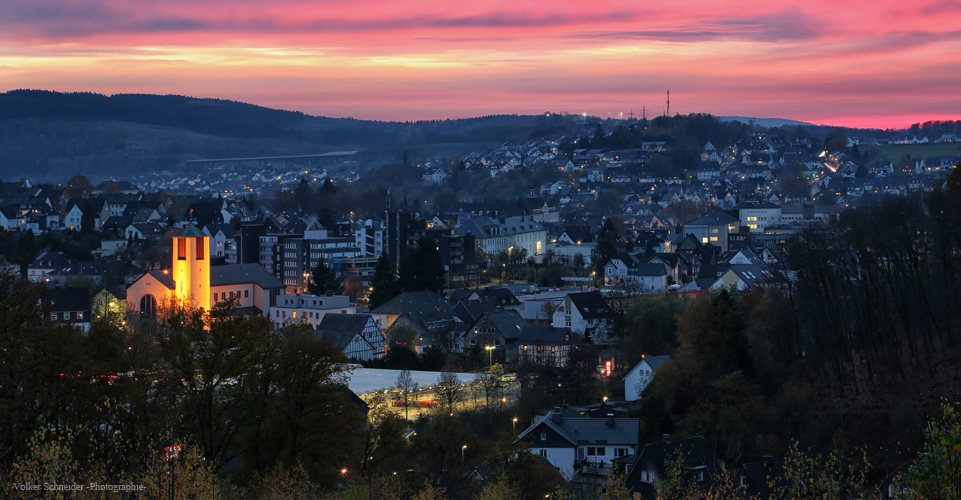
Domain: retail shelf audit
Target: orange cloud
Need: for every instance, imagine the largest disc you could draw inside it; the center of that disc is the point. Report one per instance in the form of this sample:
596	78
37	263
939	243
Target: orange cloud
879	63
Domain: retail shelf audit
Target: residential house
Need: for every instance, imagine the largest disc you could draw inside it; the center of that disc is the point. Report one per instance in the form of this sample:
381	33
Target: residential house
581	445
543	345
496	329
584	313
356	335
655	459
640	376
68	306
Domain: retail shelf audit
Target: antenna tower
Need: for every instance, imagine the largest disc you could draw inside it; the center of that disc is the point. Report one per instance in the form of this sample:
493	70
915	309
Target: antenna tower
668	103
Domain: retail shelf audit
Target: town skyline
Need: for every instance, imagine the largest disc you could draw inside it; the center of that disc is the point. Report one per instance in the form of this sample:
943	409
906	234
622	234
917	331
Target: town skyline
827	64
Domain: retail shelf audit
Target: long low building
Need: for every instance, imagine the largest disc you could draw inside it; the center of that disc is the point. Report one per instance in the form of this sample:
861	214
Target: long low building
369	380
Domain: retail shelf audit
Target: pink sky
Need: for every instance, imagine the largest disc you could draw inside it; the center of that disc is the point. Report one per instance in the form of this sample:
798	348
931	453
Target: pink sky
880	63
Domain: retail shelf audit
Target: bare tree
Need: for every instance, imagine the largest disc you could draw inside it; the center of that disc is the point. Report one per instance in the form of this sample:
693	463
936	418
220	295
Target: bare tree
449	390
407	389
491	382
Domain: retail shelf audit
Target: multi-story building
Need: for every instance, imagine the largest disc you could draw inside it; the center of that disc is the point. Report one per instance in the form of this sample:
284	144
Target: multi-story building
713	228
511	234
369	238
309	308
292	257
758	216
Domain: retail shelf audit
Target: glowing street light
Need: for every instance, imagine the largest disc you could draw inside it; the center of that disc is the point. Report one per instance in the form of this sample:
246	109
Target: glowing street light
462	450
490	352
515	422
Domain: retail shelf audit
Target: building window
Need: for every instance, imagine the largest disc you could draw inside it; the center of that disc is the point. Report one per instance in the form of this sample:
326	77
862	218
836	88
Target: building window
200	249
543	436
80	315
148	306
544	453
53	316
66	316
181	249
600	451
591	451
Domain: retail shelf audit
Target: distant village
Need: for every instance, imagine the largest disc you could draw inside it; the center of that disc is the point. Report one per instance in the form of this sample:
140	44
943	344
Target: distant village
532	278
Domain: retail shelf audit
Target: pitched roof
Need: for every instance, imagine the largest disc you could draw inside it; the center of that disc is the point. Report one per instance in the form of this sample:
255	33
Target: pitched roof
508	322
243	273
654	362
354	323
66	299
591	304
543	335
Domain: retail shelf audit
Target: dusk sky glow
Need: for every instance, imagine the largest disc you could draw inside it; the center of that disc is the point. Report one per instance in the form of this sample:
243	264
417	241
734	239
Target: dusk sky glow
874	64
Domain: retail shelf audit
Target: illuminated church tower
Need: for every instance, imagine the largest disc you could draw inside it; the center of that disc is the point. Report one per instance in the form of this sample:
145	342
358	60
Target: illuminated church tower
191	268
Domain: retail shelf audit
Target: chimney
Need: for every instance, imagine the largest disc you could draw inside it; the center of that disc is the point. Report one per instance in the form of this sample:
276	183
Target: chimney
610	420
667	438
556	416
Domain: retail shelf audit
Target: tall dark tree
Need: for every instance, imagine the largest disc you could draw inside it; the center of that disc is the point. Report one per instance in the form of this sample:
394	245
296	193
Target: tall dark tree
422	268
323	279
79	186
303	195
383	286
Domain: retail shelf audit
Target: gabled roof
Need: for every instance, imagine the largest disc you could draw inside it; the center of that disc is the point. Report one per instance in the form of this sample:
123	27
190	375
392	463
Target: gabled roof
543	335
66	299
765	474
164	279
508	322
654	362
336	323
695	452
591	305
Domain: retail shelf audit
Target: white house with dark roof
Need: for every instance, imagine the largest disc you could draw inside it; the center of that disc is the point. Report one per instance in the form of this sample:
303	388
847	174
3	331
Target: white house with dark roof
356	335
583	312
576	444
640	376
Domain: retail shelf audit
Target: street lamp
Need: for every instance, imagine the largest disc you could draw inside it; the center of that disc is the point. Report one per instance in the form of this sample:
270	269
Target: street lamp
490	352
515	422
462	450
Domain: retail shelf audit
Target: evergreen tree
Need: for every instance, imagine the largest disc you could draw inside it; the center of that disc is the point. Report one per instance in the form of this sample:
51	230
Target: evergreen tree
323	279
422	268
383	286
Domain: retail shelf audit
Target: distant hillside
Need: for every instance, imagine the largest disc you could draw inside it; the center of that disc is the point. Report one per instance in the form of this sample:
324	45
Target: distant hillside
766	122
52	135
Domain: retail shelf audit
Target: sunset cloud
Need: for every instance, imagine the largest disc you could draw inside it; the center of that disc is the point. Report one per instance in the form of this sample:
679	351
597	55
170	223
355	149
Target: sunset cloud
878	63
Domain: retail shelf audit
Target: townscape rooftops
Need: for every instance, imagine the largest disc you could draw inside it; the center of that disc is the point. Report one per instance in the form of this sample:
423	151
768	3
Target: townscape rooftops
412	301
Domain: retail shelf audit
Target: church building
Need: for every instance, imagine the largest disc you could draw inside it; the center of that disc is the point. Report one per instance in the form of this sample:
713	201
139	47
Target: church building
192	282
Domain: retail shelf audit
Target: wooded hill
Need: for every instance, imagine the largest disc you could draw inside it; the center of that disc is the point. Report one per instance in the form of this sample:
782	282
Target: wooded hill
51	135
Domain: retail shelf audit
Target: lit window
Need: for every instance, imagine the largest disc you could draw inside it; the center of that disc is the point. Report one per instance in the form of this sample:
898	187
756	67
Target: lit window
713	238
704	239
181	249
